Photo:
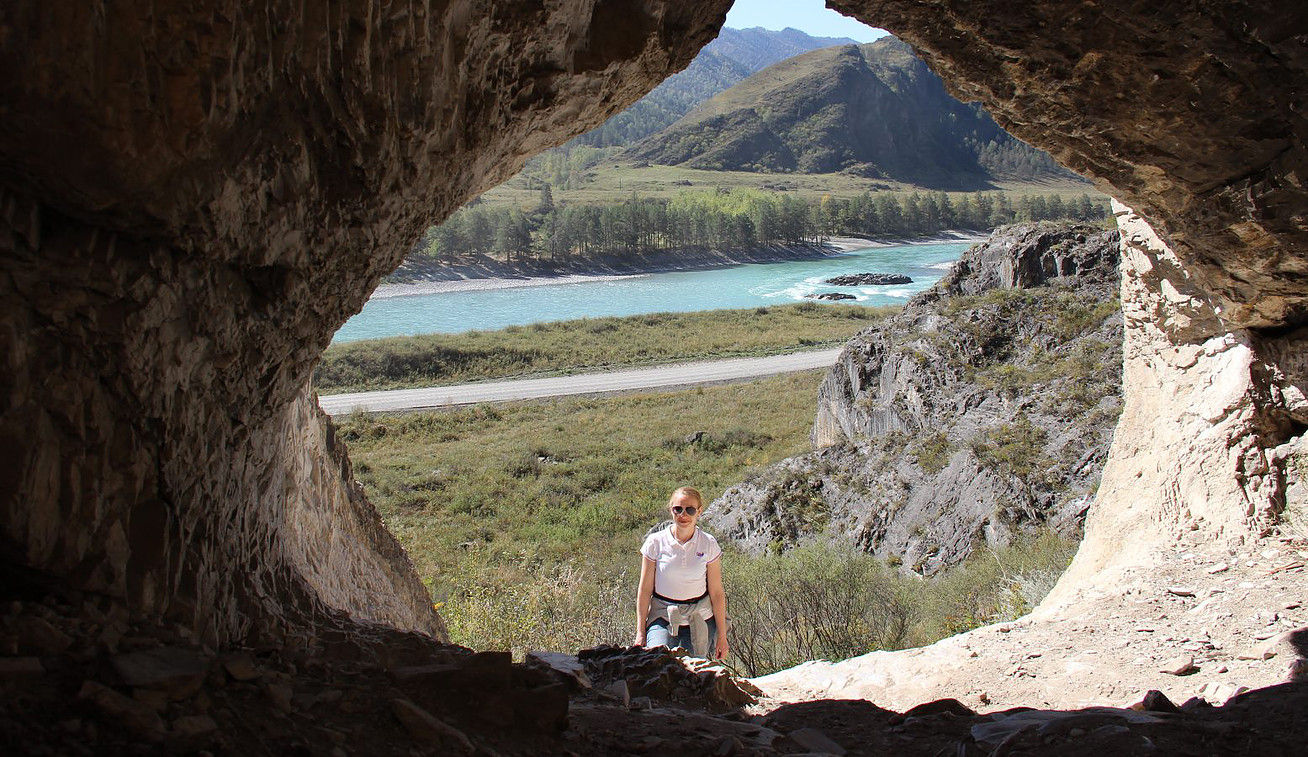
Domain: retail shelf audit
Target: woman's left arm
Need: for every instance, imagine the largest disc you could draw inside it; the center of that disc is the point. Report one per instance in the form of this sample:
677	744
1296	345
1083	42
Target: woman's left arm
718	597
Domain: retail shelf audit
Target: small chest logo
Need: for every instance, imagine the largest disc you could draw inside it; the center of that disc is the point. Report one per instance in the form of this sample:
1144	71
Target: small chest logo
699	554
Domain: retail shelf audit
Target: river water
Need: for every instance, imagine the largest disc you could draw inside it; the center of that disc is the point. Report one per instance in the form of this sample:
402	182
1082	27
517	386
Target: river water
740	286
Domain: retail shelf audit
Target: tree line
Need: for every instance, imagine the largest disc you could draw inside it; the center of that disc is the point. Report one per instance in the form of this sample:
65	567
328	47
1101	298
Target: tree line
727	219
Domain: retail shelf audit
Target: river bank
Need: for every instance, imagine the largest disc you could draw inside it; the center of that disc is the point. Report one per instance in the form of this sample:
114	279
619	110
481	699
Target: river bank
486	273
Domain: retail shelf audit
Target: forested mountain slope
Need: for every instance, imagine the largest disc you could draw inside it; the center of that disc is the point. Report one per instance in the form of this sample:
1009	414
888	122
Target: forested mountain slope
875	110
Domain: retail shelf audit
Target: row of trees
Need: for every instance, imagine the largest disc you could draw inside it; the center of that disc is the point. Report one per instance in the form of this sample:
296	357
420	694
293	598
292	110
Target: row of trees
735	219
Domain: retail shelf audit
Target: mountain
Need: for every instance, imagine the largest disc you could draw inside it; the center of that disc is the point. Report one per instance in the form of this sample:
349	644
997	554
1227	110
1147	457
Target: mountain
724	62
983	409
874	109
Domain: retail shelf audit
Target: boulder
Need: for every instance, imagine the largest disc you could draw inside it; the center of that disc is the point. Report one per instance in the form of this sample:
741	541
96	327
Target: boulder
177	671
835	296
868	279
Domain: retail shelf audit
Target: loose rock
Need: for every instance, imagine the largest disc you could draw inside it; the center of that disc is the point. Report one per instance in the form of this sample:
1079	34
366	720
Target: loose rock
426	728
135	716
175	670
814	740
1179	666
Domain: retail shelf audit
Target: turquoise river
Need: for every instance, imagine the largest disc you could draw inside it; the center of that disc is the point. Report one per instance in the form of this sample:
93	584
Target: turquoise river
740	286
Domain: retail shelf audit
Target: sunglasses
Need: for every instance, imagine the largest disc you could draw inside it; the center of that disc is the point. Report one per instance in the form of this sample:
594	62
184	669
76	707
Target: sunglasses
678	510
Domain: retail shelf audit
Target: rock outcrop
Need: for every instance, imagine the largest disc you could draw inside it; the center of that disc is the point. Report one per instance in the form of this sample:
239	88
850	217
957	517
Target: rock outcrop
983	409
1212	423
869	279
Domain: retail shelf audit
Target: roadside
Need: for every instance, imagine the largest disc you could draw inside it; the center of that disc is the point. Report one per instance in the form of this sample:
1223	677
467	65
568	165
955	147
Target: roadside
659	377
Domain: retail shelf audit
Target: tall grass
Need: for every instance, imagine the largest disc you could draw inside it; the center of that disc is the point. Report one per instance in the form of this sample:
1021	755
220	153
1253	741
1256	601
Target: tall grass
587	344
520	517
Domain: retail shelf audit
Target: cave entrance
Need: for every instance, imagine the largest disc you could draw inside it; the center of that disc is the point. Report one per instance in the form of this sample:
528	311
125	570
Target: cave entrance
194	200
524	520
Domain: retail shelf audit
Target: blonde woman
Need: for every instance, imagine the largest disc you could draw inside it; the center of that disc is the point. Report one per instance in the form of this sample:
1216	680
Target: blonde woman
680	601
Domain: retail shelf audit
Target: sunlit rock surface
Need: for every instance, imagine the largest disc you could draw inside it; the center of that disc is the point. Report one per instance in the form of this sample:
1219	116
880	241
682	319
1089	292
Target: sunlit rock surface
980	412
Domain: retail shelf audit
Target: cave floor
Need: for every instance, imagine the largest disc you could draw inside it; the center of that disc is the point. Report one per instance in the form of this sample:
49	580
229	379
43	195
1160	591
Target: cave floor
78	678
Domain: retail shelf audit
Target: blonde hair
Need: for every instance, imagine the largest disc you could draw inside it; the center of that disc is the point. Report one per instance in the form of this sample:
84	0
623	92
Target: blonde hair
687	491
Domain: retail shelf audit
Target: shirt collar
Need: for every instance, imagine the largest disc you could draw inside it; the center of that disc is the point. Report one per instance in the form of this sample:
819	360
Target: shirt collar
672	535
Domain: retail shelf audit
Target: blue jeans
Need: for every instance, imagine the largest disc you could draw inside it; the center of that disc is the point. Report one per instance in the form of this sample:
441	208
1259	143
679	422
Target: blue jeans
658	635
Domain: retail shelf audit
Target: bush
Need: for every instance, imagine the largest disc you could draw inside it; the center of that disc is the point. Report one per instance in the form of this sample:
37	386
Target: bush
1016	448
992	586
812	602
563	608
932	453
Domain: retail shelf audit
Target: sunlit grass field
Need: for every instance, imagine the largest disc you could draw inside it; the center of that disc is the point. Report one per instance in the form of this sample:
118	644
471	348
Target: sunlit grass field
615	179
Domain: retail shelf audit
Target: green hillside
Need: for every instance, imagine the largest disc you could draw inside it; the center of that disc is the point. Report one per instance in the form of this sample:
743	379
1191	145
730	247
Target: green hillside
873	110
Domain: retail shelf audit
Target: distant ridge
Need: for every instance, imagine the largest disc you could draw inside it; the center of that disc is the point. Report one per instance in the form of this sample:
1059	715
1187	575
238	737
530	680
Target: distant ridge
724	62
874	110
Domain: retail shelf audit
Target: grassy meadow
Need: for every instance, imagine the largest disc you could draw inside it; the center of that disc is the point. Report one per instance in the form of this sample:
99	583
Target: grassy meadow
588	344
524	520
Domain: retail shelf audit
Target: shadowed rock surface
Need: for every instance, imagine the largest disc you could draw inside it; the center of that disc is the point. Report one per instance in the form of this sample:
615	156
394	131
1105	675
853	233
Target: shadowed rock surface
196	195
983	409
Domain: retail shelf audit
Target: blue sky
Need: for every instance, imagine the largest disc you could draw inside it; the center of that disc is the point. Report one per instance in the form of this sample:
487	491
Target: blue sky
810	16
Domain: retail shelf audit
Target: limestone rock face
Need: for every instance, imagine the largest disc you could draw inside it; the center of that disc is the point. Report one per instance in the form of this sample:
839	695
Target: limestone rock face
1193	116
194	197
983	409
1212	418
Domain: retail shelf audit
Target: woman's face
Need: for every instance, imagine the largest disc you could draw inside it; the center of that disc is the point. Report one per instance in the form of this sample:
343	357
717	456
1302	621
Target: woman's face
684	518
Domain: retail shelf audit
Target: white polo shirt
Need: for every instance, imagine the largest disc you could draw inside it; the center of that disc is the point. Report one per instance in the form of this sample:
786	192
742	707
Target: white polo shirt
682	568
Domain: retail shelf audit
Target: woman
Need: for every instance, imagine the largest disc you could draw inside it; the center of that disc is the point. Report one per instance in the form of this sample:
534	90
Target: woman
680	601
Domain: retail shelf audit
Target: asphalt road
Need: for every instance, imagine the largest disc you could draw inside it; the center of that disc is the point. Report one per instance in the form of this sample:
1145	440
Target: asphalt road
658	377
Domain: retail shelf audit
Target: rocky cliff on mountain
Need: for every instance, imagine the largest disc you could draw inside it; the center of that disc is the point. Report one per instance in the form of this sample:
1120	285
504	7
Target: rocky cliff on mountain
984	409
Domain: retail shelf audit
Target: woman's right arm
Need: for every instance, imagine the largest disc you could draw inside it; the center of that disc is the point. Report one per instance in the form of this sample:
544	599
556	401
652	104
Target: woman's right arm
644	593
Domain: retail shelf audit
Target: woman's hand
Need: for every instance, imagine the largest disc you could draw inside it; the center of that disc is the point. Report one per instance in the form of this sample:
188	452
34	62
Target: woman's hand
720	651
640	640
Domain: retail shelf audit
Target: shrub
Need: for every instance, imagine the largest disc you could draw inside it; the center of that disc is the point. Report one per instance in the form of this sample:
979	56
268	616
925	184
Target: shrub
812	602
796	507
932	453
992	586
1016	448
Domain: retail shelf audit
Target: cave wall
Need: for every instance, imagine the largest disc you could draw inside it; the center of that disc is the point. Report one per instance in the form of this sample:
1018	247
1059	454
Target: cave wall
193	197
1211	417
